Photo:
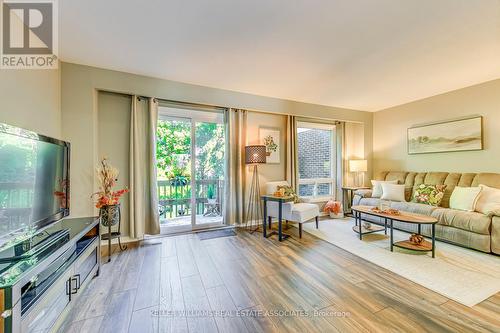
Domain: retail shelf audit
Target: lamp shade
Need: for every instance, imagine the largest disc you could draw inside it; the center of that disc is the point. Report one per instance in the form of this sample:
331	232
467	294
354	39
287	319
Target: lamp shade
255	154
358	165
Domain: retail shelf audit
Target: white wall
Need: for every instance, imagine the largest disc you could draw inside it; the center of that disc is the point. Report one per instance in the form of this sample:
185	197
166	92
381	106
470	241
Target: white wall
31	99
390	126
80	114
267	172
113	132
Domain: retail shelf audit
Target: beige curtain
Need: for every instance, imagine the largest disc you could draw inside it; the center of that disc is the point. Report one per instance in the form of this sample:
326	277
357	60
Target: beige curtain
292	175
342	161
143	208
235	120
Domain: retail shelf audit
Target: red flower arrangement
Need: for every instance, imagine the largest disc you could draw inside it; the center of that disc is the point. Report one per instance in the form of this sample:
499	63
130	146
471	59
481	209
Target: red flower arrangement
333	207
108	176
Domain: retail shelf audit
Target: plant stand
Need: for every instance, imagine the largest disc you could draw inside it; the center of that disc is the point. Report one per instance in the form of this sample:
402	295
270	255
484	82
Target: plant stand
114	234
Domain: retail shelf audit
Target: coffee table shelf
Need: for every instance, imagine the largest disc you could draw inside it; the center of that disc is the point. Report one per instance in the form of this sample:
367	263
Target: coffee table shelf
425	246
364	231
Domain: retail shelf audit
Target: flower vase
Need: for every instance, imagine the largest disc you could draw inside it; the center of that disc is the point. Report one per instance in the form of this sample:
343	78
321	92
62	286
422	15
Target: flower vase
110	215
337	216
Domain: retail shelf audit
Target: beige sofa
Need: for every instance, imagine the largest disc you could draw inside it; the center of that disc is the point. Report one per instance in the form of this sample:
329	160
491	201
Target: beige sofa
470	229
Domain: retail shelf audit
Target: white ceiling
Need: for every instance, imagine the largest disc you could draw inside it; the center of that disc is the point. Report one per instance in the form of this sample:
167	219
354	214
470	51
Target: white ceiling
358	54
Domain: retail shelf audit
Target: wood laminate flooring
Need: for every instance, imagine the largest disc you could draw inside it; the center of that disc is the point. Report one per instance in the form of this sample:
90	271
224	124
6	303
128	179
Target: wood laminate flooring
183	284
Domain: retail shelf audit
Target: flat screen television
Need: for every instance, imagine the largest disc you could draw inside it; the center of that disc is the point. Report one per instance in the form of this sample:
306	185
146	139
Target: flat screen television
34	181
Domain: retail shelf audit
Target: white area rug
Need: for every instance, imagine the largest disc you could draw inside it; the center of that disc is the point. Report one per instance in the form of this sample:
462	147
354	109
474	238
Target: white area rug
463	275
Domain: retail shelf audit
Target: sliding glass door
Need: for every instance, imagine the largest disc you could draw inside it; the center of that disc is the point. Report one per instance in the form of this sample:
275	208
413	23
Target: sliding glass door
191	163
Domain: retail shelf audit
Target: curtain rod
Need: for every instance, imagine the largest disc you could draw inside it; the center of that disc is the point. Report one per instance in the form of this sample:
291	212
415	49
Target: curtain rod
181	103
201	105
329	120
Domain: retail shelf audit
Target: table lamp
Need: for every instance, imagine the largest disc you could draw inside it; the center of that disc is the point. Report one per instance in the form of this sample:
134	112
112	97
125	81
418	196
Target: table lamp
254	155
358	167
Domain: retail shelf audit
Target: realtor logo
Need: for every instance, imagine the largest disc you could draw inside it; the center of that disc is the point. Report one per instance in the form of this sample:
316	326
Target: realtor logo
29	34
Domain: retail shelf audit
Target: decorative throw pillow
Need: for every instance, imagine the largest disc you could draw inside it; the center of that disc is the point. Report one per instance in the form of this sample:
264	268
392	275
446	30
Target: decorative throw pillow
289	192
489	200
429	194
393	192
465	198
377	187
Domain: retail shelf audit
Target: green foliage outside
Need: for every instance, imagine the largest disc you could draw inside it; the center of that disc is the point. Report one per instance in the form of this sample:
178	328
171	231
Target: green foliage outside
173	145
173	154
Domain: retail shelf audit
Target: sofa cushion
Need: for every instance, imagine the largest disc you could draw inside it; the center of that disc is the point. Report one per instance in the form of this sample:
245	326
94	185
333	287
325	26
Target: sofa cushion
381	175
466	179
364	193
489	200
374	202
488	179
465	198
377	187
451	181
419	178
470	221
410	180
399	176
393	192
413	207
435	178
302	212
429	194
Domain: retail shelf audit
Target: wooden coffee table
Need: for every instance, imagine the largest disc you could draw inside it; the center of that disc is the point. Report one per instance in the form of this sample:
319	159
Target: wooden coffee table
404	217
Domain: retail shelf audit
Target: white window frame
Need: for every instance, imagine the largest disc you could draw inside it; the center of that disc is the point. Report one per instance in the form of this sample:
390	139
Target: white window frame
320	181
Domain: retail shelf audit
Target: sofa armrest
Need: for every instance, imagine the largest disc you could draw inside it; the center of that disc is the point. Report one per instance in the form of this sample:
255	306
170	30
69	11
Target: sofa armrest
495	234
495	213
364	193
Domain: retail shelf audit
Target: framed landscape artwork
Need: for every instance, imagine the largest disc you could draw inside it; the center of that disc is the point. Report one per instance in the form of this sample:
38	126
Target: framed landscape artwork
270	137
455	135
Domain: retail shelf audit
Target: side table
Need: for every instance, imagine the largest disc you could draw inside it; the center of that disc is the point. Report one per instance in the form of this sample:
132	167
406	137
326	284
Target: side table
348	196
280	201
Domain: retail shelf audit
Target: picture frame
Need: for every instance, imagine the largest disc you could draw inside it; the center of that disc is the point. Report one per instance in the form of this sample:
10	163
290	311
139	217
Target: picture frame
271	138
464	134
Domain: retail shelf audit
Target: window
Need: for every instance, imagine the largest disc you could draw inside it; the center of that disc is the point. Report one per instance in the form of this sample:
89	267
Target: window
316	146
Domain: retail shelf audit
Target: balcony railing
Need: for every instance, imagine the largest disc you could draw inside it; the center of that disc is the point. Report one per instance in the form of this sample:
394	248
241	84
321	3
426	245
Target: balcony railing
174	198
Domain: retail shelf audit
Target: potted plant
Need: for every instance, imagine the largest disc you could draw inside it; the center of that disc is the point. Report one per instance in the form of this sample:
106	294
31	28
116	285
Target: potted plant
178	174
107	199
334	208
211	195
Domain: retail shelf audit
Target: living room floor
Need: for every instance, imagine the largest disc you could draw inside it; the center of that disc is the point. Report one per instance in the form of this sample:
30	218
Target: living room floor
247	272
